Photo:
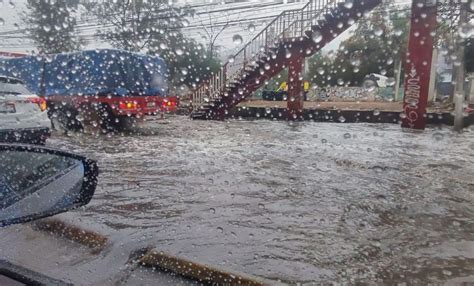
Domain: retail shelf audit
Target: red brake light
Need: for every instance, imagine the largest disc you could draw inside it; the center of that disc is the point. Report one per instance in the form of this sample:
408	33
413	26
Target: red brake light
40	101
168	103
128	105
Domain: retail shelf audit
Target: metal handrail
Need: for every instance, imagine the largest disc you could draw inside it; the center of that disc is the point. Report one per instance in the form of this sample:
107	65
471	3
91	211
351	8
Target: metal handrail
288	24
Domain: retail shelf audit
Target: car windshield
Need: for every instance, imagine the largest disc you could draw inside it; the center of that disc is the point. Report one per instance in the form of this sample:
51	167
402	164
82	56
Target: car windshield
12	86
243	142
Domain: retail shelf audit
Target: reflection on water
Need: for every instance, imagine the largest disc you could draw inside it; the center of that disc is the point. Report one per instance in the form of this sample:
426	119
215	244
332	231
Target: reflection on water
311	202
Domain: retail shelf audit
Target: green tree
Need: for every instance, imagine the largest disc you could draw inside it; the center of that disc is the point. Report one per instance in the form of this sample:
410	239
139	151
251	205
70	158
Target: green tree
376	45
154	27
192	64
51	26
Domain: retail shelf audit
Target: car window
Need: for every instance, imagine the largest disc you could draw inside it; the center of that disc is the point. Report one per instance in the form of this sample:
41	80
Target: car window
12	86
299	142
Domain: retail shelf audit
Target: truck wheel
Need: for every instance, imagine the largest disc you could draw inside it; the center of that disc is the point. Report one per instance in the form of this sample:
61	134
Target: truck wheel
64	119
108	121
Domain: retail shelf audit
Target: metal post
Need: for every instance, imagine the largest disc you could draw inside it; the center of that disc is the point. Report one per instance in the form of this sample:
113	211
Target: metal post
460	76
418	64
295	86
134	25
434	69
398	75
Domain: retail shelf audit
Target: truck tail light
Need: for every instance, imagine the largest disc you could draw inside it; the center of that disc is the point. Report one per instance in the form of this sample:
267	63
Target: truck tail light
40	101
169	104
128	105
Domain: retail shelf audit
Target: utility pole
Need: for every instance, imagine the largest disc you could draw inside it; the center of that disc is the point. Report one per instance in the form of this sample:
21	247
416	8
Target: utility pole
460	75
398	77
135	37
433	73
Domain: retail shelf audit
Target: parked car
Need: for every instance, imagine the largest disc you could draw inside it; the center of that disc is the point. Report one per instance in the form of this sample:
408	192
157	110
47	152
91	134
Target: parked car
23	115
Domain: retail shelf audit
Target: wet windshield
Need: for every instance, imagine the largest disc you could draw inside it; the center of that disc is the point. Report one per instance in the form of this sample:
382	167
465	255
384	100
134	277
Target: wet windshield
275	142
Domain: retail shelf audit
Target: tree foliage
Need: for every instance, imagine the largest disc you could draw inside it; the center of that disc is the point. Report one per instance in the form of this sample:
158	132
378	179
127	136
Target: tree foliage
374	47
51	26
154	27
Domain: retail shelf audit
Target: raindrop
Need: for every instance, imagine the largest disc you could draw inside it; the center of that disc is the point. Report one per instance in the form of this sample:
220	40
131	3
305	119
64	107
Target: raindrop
179	52
466	30
447	272
324	141
212	210
288	54
356	59
391	81
369	85
349	4
317	37
237	39
185	23
251	28
342	119
376	112
320	71
299	150
231	59
220	229
438	136
268	110
261	206
184	71
163	46
378	31
2	22
347	136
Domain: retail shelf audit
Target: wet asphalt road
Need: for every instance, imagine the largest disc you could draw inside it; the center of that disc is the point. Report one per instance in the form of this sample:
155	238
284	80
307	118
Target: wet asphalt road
310	202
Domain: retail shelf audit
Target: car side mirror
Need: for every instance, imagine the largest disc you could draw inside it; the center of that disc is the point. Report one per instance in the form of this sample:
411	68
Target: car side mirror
37	182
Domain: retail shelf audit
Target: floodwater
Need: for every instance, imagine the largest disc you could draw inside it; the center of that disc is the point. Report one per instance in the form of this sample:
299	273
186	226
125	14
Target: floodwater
303	203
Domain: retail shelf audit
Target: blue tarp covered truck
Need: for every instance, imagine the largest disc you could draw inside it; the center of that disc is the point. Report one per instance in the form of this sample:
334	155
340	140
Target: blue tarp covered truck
105	86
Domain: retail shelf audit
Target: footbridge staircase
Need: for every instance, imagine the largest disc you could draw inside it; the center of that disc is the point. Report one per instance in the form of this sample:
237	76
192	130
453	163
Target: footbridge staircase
283	43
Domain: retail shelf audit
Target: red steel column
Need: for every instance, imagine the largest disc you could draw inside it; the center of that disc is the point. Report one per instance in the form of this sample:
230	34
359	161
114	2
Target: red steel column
418	65
295	87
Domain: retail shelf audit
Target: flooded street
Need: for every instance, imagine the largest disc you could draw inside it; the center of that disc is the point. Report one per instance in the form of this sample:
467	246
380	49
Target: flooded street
313	202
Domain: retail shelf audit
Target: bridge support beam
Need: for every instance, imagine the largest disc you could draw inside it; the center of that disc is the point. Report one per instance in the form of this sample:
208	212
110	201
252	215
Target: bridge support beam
418	64
295	87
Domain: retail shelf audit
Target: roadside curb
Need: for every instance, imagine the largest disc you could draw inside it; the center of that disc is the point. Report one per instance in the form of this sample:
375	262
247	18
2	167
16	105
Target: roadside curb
196	271
91	239
151	258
